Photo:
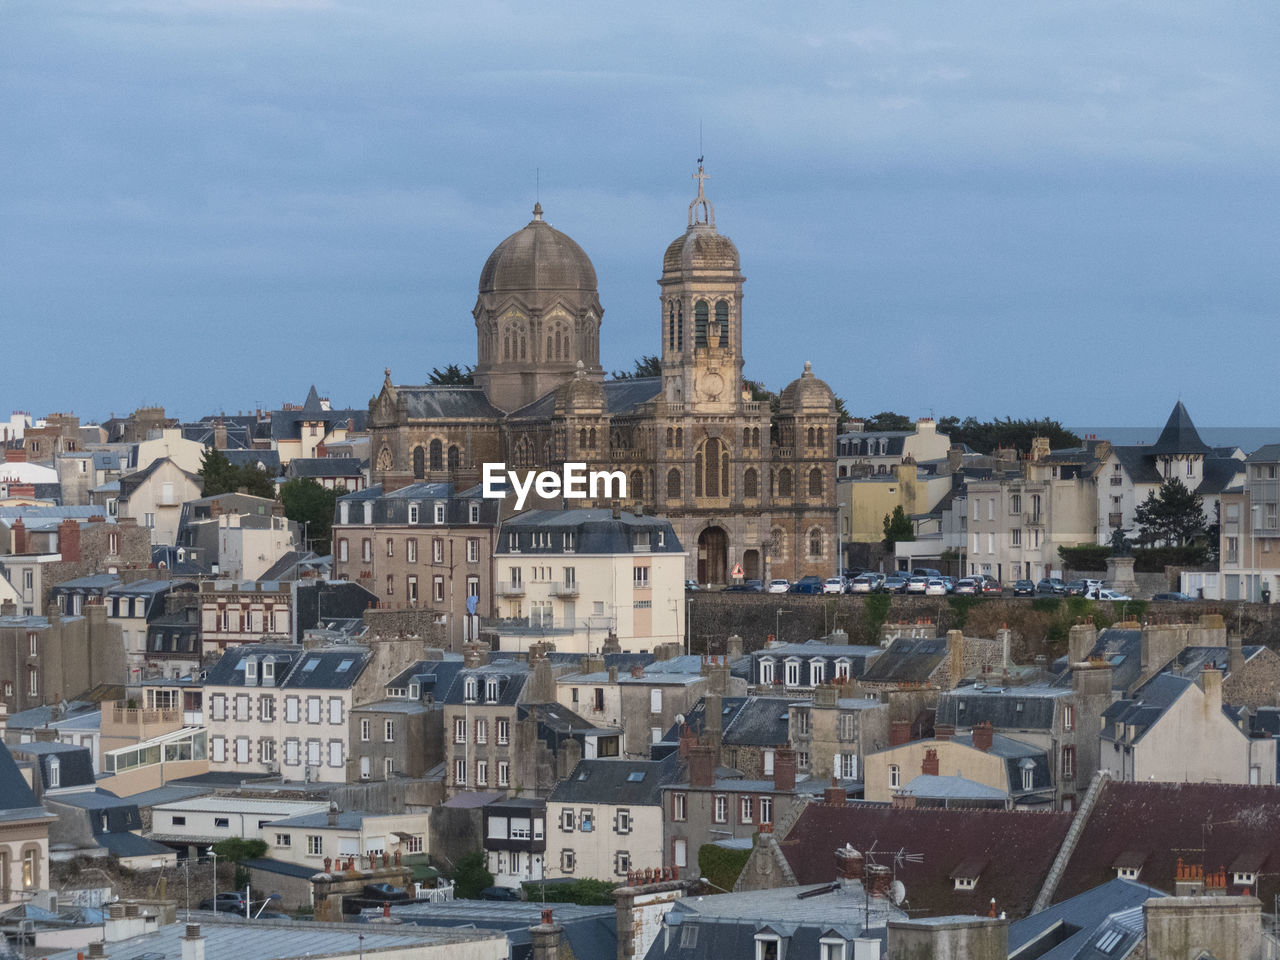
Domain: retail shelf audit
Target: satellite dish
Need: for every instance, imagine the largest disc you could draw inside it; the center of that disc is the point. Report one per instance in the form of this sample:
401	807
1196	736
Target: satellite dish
897	892
679	719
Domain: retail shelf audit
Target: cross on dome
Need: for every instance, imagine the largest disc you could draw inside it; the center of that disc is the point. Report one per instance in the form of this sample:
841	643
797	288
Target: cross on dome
708	211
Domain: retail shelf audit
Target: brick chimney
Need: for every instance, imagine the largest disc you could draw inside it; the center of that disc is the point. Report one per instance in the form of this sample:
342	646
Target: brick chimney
930	765
982	736
15	455
835	795
1211	678
545	938
1080	641
944	731
899	732
784	770
702	765
849	863
733	646
637	671
1235	653
19	536
879	880
69	541
219	435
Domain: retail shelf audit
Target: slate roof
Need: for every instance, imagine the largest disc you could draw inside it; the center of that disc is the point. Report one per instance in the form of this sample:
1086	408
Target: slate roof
125	844
597	531
1018	846
1008	708
1123	650
17	801
1267	453
1179	435
292	563
621	397
75	766
434	402
1076	925
951	788
325	467
757	722
1166	821
319	669
268	460
130	483
908	660
1144	708
287	424
614	782
591	931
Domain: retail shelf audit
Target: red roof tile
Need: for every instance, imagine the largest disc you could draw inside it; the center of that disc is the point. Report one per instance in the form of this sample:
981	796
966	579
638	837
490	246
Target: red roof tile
1017	847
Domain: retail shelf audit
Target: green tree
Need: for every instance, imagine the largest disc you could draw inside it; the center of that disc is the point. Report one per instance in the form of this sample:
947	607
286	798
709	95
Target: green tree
306	502
470	877
985	436
887	420
645	367
234	850
452	375
898	528
1172	518
222	476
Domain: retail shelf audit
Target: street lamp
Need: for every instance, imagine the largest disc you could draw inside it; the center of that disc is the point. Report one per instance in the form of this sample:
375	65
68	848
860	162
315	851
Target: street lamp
716	885
777	625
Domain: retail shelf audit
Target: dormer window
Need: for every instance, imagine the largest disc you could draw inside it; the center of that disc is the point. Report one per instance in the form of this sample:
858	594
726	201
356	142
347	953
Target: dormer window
793	673
474	513
1241	879
966	883
768	946
766	670
344	512
439	513
470	688
55	774
413	512
1028	773
268	671
570	541
368	511
251	670
832	948
491	690
1127	873
415	690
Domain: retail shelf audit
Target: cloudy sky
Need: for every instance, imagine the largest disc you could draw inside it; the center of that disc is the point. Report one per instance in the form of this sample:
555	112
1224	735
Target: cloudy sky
959	207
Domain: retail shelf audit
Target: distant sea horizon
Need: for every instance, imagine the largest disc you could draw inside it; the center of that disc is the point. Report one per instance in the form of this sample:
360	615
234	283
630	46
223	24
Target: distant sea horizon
1247	439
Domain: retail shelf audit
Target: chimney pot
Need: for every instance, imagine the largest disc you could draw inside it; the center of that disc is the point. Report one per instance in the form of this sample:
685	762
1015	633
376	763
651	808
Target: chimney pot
982	736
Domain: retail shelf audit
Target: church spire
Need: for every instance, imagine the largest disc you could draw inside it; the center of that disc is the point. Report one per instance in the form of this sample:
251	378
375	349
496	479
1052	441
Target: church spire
701	201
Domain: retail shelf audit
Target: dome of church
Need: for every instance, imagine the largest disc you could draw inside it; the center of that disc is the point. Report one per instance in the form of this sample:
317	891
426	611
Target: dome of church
535	259
580	396
807	394
700	248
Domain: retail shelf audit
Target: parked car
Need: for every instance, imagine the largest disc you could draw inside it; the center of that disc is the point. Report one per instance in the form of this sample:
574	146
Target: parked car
691	585
894	583
229	901
1105	594
779	586
1174	596
1051	585
384	891
499	893
967	586
951	584
992	586
926	572
1076	588
935	587
746	586
806	585
917	584
867	583
1024	588
833	585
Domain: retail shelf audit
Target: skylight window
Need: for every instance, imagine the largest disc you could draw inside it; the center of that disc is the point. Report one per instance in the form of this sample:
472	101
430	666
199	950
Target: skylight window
345	665
635	776
1107	942
310	665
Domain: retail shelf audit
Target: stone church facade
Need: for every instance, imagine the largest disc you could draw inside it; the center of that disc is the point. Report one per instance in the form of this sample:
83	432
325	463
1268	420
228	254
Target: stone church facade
739	485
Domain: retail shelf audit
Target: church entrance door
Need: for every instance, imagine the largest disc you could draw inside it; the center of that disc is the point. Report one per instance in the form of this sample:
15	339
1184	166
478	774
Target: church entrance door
751	564
713	556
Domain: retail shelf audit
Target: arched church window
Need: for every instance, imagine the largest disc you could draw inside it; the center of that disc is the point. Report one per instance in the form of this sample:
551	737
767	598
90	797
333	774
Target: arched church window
454	458
822	440
811	436
419	463
671	325
750	484
713	485
784	482
746	436
815	482
637	485
697	474
591	438
671	435
524	351
506	345
755	436
673	484
679	436
550	348
437	455
722	320
680	324
582	437
815	543
700	316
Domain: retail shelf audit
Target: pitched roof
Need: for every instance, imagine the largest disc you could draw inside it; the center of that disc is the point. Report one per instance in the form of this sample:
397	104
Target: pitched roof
1017	846
17	802
1009	708
325	467
1144	708
1179	435
434	402
757	722
908	660
1083	920
1172	821
634	782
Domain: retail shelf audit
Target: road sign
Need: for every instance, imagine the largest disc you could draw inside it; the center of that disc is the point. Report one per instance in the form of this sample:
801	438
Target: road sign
737	571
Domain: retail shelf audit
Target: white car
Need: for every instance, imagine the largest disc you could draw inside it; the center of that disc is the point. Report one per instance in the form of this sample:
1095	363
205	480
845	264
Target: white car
833	585
779	586
1105	594
934	587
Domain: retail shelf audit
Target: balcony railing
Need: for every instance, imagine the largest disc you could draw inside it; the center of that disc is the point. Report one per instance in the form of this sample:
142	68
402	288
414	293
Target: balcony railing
509	589
565	589
527	626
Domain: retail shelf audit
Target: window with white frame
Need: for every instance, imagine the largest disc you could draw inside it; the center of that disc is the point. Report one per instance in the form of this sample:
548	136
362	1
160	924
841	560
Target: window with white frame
895	775
504	773
817	672
315	844
721	808
437	550
439	513
766	670
746	809
766	809
364	729
641	578
503	731
482	731
768	947
491	689
388	731
473	550
679	807
460	772
832	949
622	822
793	673
459	730
482	773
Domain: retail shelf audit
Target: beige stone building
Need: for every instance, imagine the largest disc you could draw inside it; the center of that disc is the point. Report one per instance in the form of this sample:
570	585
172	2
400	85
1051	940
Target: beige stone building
154	496
1249	557
24	835
1019	519
862	452
737	485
